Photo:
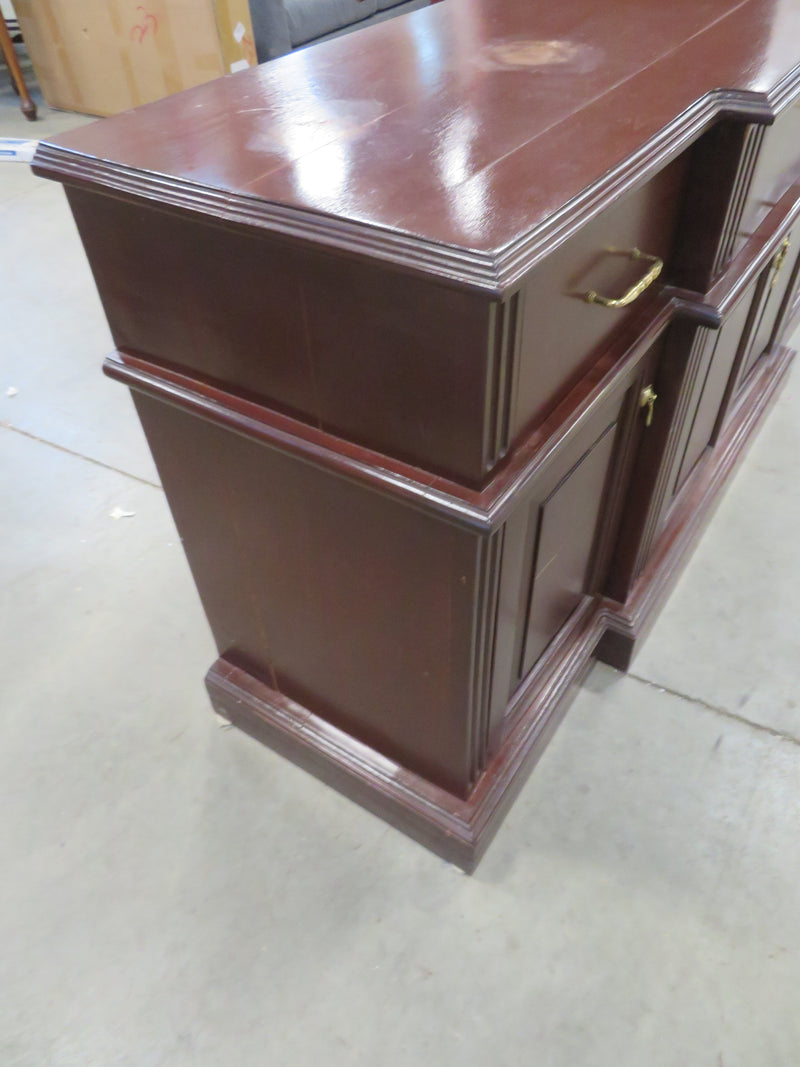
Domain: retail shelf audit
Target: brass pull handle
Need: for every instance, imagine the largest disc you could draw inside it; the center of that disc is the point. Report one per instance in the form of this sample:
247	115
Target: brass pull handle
635	290
780	259
647	399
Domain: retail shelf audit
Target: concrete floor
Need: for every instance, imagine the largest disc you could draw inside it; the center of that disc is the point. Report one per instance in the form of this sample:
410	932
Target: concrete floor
172	894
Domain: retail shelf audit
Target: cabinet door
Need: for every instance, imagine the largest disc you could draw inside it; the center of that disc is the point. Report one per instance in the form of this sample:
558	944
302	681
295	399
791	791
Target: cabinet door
692	381
677	365
564	526
775	284
790	309
557	541
697	381
719	355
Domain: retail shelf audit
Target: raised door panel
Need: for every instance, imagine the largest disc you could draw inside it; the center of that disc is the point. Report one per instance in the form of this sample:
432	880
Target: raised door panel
776	283
557	541
720	356
788	315
694	382
672	366
566	523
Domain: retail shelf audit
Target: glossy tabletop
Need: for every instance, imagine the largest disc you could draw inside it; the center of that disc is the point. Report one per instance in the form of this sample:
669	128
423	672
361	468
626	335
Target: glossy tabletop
466	124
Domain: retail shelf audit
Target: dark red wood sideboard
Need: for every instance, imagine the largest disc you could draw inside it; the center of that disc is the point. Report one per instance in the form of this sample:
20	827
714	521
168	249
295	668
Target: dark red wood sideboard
446	337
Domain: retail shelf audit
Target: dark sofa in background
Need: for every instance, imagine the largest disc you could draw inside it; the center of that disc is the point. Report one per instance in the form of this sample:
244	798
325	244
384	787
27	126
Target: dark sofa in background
282	25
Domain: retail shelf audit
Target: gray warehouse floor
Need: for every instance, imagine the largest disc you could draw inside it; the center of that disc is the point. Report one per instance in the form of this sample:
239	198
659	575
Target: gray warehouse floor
173	894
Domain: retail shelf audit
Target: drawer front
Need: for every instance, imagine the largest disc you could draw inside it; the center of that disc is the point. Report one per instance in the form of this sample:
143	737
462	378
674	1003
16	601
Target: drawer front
561	333
435	376
719	174
737	173
384	359
776	168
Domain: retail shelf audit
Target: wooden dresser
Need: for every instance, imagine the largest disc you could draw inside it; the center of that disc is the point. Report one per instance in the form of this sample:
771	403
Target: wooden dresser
446	337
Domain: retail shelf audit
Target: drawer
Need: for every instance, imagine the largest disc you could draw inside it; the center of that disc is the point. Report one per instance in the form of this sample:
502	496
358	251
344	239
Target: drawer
440	377
561	333
384	359
776	168
737	173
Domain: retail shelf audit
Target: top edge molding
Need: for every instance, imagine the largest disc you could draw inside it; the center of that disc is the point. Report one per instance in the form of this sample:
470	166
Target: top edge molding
494	274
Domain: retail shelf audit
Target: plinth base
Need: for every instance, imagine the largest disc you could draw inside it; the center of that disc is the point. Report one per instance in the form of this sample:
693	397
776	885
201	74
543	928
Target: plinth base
460	829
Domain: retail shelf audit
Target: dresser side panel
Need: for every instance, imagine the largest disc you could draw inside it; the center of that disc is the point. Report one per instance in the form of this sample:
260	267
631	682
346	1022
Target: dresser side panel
389	361
354	605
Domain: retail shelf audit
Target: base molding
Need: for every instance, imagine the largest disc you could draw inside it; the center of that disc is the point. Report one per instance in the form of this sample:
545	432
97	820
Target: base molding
460	830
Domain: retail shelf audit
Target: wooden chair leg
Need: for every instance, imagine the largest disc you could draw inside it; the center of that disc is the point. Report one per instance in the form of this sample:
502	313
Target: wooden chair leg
10	56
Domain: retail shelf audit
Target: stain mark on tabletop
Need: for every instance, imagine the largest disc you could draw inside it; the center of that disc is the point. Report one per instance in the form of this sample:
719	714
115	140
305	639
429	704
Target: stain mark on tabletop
526	54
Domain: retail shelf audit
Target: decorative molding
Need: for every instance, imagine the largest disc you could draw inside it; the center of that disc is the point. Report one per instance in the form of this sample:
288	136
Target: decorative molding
493	273
487	584
504	339
744	175
481	510
458	830
784	93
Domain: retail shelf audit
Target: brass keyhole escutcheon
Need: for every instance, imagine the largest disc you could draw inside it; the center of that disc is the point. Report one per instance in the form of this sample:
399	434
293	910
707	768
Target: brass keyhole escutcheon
780	259
647	399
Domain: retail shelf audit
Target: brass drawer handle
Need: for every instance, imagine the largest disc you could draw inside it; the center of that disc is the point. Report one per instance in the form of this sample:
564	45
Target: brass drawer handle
635	290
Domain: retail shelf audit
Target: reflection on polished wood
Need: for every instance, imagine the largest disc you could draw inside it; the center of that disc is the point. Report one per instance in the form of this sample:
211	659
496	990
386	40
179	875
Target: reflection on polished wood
420	479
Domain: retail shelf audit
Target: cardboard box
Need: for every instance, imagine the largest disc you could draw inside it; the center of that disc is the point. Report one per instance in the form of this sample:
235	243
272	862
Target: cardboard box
105	56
